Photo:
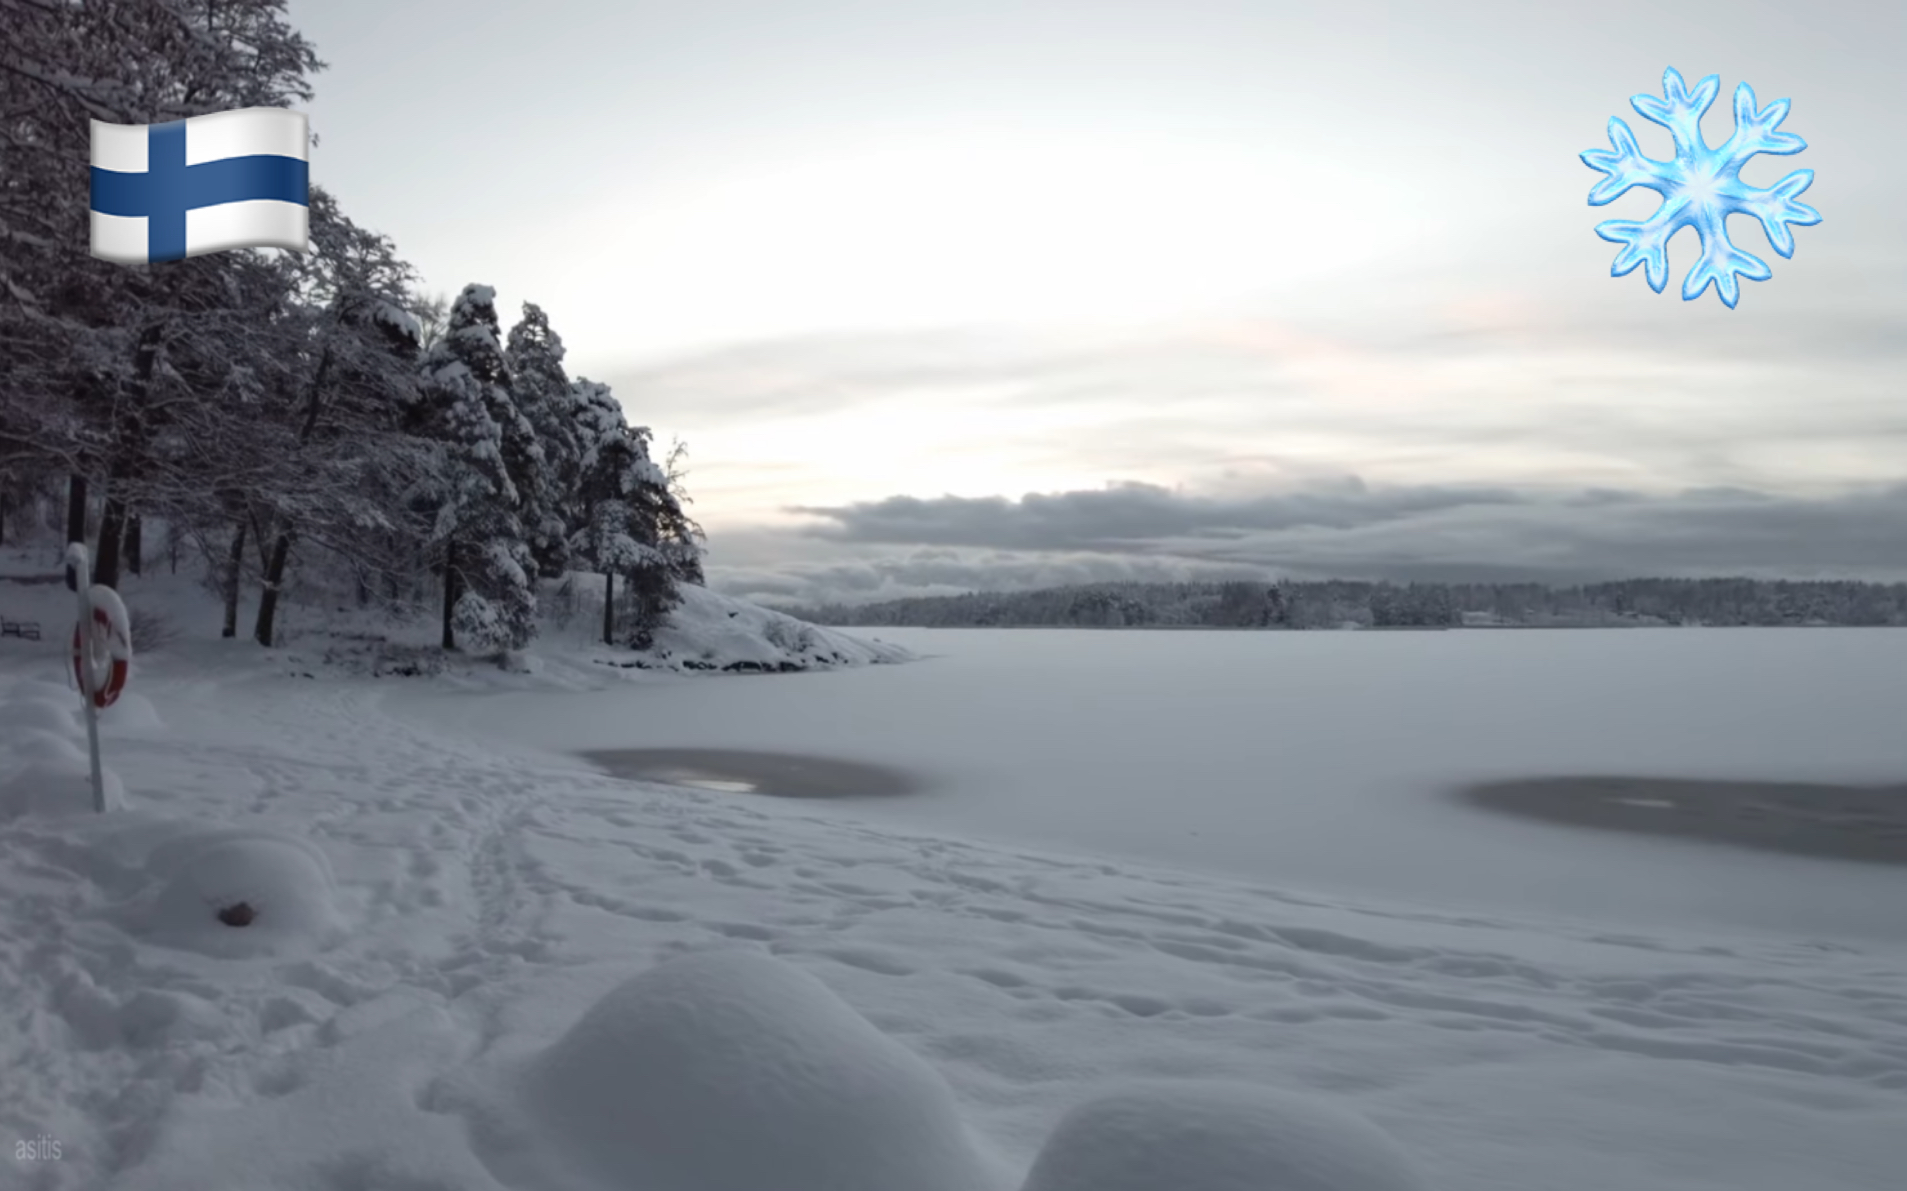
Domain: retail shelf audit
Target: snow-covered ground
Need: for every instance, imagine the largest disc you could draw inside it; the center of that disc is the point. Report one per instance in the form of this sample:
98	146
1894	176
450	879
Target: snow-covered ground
473	963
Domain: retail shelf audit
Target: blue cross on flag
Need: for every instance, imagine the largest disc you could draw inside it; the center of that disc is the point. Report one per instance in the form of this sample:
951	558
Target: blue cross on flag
163	192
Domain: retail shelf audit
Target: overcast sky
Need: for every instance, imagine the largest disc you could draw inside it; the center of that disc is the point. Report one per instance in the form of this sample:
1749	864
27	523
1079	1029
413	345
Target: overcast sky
973	293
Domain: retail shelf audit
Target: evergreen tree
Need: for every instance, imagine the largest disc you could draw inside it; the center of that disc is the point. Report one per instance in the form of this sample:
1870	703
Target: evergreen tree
682	539
476	536
623	504
543	396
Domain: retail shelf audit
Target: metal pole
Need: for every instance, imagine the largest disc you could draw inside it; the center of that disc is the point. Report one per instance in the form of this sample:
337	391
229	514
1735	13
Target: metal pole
82	571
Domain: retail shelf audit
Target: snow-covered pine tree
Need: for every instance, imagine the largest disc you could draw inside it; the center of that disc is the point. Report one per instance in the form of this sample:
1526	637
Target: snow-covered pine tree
541	390
682	538
480	545
651	582
622	502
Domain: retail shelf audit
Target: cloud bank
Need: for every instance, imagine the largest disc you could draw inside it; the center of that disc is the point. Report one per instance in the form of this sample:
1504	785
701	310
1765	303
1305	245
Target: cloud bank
902	545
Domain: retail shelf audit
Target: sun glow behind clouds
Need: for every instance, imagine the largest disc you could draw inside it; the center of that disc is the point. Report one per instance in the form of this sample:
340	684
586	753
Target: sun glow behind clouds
971	229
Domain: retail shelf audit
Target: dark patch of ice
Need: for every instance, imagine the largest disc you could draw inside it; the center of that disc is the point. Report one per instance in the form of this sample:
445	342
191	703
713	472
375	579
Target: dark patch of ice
1866	823
785	775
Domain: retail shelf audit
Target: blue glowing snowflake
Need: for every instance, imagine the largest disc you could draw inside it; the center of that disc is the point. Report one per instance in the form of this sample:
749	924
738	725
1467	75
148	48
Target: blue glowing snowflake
1701	188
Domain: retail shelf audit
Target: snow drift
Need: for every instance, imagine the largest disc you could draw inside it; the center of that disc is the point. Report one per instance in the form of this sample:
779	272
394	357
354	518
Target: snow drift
44	769
1213	1137
729	1070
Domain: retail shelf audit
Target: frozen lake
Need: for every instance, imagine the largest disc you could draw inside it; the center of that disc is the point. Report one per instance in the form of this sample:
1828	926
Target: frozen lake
1325	762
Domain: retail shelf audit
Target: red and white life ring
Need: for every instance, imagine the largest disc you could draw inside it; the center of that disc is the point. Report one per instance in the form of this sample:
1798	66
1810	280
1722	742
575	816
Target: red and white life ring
108	654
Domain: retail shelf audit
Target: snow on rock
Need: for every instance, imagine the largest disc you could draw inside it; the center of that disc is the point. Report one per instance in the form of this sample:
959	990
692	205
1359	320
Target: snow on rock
729	1070
1214	1137
202	879
713	632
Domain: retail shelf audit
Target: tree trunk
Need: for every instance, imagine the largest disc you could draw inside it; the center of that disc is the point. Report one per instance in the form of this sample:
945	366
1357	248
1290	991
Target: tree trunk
128	451
75	521
609	607
260	537
450	592
112	527
135	543
268	599
234	561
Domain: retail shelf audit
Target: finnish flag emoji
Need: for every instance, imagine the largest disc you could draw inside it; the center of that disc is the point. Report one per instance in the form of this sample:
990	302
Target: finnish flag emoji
163	192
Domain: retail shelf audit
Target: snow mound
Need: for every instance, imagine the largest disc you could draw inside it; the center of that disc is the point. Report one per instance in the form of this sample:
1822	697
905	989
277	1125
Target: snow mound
1214	1137
732	1071
57	711
131	712
44	768
713	632
43	772
285	882
35	688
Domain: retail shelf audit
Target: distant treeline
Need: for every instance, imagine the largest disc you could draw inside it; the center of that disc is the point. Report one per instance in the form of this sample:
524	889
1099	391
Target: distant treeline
1335	604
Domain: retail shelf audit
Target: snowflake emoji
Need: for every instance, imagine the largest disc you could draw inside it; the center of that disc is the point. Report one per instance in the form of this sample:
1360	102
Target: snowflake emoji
1701	188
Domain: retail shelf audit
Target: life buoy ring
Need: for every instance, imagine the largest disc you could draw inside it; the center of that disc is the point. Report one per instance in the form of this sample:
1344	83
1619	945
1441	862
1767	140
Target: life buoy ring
110	660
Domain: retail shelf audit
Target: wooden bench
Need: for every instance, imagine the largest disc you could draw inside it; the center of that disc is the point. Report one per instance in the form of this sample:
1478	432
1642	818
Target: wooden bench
26	630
